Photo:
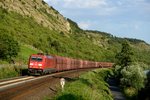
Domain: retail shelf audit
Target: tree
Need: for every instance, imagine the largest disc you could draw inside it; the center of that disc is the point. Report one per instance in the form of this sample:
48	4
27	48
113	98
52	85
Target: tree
128	73
125	57
9	48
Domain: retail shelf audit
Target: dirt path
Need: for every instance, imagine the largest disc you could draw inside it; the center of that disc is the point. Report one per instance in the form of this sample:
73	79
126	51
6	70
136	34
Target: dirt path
115	90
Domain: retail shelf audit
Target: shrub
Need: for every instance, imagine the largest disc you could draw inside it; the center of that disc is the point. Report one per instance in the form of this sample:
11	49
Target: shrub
117	70
9	48
133	76
130	92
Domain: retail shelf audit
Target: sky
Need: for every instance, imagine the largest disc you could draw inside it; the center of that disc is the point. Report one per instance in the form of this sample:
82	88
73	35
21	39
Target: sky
121	18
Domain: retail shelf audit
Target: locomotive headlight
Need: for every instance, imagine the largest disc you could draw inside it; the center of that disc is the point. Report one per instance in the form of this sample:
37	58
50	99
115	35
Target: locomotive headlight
31	64
39	65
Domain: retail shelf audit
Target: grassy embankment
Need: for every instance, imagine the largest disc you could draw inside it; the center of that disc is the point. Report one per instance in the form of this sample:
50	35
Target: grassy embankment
89	86
9	71
20	68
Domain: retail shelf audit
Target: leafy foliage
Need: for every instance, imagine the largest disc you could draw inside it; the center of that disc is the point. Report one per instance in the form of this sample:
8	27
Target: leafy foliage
130	74
133	76
9	48
125	57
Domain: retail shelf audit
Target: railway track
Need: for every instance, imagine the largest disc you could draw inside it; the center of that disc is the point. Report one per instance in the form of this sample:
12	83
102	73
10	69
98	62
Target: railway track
33	88
14	81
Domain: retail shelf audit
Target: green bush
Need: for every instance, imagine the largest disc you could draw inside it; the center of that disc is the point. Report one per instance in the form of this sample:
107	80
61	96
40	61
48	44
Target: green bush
133	76
130	92
117	71
9	47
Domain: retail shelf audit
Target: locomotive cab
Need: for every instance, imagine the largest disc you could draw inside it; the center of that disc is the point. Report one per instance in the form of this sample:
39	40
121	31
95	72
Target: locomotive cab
36	64
41	64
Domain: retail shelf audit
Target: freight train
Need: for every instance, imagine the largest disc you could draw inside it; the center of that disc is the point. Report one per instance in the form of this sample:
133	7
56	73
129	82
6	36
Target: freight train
42	64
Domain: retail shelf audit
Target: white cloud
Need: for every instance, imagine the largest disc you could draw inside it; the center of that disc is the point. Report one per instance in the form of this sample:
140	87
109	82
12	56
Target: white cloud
84	25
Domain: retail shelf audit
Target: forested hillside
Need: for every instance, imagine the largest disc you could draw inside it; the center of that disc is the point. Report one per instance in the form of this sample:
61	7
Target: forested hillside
39	28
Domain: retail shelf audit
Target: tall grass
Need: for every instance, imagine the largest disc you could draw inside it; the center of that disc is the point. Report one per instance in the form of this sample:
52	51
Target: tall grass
89	86
9	71
25	52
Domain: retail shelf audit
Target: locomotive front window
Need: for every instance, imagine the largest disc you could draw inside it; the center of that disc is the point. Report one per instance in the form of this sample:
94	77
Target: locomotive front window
39	59
33	58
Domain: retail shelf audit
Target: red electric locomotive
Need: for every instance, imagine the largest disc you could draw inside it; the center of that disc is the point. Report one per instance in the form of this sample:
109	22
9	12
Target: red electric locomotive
39	63
42	64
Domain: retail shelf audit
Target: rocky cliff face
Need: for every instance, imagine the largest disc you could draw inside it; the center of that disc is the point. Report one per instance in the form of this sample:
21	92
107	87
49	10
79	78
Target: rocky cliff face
40	11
